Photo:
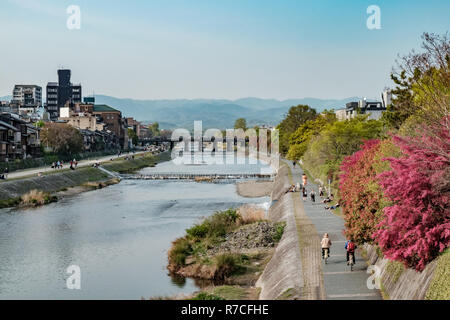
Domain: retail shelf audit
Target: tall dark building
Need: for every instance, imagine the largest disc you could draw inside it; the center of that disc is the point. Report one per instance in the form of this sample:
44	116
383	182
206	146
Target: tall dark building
58	93
64	87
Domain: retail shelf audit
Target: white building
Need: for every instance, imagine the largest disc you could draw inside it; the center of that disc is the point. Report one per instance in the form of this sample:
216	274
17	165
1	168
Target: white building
386	98
373	108
27	97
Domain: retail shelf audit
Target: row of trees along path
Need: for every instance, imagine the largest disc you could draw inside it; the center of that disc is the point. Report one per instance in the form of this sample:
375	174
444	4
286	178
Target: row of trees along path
333	280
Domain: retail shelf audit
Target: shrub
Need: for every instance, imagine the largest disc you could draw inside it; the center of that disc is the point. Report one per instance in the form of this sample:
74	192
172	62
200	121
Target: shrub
214	226
360	194
181	248
198	231
416	227
226	264
279	230
35	197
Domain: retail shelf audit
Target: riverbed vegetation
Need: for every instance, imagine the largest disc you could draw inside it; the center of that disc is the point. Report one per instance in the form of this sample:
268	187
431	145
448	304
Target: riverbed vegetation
228	246
136	162
37	198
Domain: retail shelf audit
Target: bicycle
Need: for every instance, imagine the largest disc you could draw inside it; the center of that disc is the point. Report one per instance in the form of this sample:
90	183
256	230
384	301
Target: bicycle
326	254
351	260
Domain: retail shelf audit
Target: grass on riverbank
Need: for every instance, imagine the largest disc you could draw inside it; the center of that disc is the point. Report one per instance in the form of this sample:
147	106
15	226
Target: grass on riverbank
440	284
227	292
37	198
140	161
8	203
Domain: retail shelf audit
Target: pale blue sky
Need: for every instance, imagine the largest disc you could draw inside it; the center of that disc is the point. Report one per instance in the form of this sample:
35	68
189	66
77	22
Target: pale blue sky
213	49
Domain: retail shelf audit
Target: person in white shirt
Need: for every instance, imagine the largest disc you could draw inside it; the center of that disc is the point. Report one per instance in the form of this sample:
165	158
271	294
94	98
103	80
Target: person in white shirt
326	244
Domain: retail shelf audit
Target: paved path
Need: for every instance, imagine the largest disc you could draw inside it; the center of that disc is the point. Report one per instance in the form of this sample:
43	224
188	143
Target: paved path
338	282
82	163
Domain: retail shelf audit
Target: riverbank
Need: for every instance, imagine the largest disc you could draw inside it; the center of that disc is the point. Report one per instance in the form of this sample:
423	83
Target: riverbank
254	188
63	183
229	250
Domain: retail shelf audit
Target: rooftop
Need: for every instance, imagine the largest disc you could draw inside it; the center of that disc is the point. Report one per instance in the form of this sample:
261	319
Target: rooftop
104	108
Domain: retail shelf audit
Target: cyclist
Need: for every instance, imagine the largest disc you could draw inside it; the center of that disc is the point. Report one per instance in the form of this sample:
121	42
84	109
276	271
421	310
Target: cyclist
326	244
350	246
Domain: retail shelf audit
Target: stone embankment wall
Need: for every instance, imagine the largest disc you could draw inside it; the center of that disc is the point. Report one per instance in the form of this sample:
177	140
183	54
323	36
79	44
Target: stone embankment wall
282	277
50	183
399	283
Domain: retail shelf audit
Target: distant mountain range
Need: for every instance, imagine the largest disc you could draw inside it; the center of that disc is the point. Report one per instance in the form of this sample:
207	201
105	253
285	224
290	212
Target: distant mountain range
215	113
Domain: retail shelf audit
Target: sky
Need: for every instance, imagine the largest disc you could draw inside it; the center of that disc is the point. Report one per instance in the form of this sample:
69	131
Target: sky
173	49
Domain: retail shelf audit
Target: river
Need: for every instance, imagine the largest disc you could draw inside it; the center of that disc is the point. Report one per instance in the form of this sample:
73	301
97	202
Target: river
118	236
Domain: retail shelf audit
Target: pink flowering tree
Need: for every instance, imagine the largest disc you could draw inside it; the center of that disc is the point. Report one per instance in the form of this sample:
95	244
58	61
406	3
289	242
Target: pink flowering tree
416	225
360	192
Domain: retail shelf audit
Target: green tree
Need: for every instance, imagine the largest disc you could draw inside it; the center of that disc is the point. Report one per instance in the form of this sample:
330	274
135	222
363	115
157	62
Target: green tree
295	117
422	85
240	123
62	138
325	151
298	141
133	136
154	129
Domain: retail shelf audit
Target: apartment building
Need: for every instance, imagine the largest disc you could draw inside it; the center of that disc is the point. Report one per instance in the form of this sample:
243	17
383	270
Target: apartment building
59	93
28	98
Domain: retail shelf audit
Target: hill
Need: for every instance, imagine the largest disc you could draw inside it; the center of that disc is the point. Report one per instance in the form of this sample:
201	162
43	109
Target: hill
215	113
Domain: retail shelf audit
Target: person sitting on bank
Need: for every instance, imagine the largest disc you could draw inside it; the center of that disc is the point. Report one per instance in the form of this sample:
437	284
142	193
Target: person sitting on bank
291	188
328	199
337	205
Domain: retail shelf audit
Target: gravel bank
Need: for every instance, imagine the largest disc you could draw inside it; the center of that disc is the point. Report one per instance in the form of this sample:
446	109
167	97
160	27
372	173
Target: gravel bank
254	189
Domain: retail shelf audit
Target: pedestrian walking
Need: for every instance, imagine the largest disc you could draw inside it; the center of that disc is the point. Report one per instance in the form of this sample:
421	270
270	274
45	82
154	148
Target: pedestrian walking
313	196
305	193
320	191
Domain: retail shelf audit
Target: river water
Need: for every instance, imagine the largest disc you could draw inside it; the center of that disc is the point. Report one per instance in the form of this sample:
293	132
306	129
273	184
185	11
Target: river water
118	236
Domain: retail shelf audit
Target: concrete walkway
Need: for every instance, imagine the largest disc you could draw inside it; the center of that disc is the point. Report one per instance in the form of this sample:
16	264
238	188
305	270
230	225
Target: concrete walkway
338	282
83	163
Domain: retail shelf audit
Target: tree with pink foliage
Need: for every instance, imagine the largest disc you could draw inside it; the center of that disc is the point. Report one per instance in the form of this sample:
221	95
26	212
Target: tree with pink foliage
360	192
416	226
